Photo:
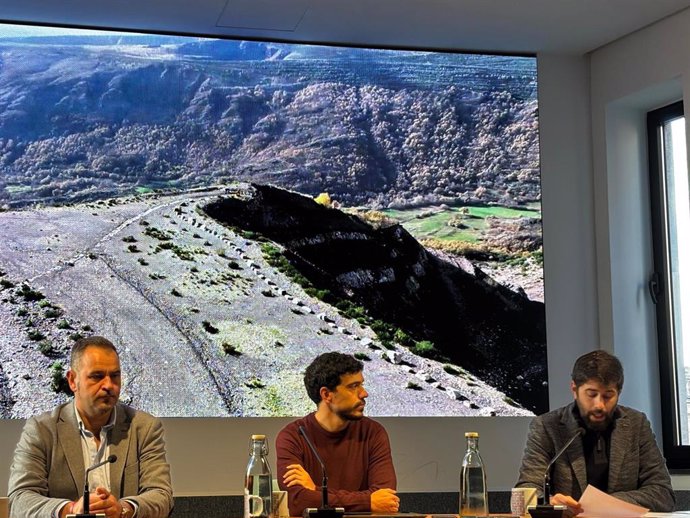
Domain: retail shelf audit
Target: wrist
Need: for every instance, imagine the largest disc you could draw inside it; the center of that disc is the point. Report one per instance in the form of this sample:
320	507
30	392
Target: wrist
68	509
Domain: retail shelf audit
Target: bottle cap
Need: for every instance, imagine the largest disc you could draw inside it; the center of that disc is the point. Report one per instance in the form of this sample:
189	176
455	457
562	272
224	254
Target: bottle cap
258	437
471	434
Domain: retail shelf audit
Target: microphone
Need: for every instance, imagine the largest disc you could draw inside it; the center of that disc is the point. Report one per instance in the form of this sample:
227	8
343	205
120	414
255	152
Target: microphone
325	511
547	474
545	510
85	513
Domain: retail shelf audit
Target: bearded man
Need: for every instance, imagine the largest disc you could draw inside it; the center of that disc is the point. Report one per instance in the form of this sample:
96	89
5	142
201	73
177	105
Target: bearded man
354	448
617	453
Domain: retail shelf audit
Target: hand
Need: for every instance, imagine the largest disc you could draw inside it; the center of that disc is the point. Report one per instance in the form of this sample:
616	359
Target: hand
78	505
102	501
574	506
384	501
296	475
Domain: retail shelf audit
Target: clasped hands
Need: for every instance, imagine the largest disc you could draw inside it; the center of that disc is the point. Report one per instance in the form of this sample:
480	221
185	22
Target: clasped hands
382	500
100	501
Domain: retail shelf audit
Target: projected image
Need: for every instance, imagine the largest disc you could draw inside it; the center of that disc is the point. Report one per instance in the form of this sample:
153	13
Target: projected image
224	211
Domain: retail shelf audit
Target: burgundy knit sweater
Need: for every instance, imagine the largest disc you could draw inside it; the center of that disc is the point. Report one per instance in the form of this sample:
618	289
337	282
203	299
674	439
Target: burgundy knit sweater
358	462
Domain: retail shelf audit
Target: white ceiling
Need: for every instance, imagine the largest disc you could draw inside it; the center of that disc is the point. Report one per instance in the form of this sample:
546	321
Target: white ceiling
522	26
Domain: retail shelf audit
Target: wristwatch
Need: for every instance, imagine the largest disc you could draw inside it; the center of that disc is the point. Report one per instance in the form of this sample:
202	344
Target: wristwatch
126	510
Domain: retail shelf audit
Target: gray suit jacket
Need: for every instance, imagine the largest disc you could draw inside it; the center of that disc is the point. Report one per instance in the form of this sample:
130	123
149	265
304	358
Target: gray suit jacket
48	465
637	470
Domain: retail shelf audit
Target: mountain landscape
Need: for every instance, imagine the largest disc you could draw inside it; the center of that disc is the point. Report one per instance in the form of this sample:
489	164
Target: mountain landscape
206	321
375	128
226	210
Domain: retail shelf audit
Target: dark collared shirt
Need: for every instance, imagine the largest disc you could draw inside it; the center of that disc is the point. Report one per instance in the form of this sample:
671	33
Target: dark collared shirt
596	446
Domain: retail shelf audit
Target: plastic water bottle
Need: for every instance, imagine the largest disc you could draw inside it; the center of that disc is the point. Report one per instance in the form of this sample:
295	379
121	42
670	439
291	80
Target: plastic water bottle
258	483
473	495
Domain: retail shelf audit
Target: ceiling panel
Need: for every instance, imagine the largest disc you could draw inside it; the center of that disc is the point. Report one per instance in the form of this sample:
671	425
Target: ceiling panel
525	26
267	15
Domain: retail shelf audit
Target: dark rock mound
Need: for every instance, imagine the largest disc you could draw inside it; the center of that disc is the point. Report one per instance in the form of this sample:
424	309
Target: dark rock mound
473	321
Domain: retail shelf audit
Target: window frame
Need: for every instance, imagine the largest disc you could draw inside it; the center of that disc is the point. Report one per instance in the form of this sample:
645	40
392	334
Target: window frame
677	455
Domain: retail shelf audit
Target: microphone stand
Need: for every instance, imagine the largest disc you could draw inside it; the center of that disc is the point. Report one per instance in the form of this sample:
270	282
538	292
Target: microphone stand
85	512
325	511
546	510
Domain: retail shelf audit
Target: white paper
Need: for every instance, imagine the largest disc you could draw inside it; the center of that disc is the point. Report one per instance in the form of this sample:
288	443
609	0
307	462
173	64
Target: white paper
597	504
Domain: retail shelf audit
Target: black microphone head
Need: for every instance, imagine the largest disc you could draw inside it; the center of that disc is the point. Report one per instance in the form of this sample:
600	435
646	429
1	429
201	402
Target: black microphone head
581	431
112	458
301	430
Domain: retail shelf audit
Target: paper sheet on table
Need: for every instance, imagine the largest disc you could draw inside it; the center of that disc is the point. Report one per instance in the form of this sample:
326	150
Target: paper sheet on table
596	503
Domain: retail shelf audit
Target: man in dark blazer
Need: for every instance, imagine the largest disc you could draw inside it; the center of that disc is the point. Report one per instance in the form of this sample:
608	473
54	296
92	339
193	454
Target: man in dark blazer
47	472
617	453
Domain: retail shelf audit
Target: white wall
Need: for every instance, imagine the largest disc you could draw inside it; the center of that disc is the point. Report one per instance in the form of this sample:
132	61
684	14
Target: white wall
427	451
209	456
631	76
569	255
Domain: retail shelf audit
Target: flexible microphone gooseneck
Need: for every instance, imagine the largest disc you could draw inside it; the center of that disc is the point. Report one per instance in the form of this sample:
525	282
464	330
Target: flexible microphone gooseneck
85	513
325	511
547	474
545	510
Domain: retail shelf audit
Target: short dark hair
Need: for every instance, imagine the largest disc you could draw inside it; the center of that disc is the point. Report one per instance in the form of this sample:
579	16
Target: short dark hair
600	366
89	341
325	371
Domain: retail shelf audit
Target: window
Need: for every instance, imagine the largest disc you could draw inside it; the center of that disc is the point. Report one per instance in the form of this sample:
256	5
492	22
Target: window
670	282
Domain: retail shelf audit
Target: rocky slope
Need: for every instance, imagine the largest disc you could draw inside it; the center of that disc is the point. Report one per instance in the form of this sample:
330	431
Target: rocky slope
205	325
495	333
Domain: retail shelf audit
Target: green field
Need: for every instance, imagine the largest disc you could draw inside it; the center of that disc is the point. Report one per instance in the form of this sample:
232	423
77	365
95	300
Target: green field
432	222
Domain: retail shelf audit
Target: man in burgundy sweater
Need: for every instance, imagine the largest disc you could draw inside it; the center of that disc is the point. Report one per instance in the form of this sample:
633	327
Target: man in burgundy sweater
354	448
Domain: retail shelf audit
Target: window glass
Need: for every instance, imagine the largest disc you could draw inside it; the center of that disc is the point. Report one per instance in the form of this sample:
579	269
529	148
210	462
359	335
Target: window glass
670	282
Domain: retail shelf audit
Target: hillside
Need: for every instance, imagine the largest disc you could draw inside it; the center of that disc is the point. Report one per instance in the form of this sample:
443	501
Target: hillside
206	325
378	128
388	281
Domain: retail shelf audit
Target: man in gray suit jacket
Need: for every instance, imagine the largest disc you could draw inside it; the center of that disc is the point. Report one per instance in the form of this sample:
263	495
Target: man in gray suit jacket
617	454
47	472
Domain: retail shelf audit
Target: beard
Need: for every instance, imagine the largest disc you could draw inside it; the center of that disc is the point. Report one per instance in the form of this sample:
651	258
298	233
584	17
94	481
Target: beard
351	414
598	426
